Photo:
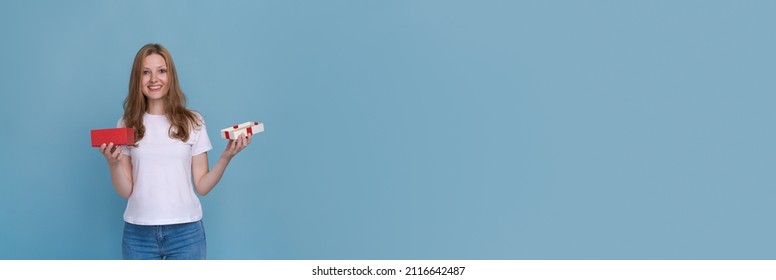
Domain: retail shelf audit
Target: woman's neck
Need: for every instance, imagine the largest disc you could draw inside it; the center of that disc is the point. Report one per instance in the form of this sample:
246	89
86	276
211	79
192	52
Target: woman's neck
155	107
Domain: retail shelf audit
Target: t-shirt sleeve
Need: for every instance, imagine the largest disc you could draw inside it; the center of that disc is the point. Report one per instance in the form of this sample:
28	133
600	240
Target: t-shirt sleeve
124	149
201	140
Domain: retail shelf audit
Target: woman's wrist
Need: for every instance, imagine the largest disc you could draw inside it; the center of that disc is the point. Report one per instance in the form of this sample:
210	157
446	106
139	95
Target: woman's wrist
227	157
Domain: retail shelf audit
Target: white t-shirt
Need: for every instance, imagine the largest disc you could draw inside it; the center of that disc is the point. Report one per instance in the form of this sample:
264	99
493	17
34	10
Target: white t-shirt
163	192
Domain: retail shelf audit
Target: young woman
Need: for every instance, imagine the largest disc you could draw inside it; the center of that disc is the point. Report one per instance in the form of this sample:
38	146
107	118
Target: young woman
163	218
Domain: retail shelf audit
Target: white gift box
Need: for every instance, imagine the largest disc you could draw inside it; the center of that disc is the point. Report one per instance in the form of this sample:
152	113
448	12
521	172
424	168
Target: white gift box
246	128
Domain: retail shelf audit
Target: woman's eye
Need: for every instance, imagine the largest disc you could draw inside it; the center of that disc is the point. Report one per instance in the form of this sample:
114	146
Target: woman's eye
163	71
145	72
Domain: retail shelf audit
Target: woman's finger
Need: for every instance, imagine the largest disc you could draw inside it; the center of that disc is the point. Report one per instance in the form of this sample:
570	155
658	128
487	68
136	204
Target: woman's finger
242	141
230	146
116	153
108	150
245	142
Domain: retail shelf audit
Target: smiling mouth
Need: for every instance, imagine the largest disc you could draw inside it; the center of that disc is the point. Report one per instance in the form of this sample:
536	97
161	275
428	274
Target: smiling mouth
155	88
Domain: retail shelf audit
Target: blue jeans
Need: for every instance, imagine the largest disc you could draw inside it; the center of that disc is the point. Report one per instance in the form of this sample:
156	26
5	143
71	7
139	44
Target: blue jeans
166	242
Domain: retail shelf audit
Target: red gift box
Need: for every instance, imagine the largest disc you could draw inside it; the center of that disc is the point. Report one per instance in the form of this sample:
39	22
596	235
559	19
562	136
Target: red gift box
118	136
246	128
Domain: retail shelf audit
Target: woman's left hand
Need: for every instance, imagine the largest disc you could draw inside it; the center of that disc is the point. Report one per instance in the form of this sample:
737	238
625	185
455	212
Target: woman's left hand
236	145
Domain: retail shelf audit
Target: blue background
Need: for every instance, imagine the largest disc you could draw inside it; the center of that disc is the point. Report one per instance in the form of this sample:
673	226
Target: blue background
411	129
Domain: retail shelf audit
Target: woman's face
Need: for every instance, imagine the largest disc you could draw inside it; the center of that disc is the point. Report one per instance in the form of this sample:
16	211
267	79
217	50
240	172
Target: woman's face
154	77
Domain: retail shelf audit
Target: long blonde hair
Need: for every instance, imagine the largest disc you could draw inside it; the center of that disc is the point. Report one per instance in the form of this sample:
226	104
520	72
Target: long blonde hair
181	119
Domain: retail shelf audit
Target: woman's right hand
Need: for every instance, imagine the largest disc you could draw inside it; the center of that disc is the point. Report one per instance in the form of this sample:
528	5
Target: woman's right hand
111	153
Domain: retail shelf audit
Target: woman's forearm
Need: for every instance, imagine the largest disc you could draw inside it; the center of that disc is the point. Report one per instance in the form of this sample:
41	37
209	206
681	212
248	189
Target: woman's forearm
122	181
211	178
